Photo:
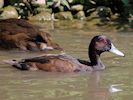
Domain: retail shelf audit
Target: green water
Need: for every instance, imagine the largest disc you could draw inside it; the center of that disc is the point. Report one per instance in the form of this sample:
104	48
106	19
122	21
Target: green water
40	85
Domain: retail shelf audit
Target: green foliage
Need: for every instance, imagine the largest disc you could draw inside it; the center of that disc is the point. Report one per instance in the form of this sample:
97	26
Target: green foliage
126	2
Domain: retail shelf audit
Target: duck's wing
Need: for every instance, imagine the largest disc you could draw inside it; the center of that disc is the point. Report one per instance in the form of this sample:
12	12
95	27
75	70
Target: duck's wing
48	57
51	63
57	63
41	59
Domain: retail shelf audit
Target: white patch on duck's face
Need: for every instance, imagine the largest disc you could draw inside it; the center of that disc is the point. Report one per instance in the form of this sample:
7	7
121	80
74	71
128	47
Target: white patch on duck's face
43	46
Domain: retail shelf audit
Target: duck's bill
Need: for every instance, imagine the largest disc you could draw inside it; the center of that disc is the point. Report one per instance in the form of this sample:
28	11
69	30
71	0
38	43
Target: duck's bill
116	51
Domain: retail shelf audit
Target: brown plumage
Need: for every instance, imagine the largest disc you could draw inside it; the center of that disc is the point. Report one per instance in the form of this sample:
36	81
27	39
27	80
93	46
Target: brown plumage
18	33
56	63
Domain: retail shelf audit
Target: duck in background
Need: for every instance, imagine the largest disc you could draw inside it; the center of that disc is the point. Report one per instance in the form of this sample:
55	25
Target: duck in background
67	63
18	33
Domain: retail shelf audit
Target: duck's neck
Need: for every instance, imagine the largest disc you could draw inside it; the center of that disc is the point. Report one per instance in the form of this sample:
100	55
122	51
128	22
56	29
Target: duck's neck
94	56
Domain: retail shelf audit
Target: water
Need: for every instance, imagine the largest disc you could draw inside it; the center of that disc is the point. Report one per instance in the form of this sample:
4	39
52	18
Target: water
114	83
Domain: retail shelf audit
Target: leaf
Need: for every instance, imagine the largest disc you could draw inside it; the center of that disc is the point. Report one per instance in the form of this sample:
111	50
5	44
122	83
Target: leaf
126	2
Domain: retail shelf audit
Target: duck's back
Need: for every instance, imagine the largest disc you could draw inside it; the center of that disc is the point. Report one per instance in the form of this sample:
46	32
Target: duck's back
54	63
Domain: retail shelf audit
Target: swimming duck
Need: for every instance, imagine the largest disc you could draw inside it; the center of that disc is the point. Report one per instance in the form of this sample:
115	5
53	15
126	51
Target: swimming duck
18	33
67	63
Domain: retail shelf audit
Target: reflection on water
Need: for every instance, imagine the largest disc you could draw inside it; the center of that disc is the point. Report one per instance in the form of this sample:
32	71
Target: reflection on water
114	83
113	88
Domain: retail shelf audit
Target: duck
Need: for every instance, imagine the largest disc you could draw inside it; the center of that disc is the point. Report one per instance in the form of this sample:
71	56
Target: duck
66	63
19	33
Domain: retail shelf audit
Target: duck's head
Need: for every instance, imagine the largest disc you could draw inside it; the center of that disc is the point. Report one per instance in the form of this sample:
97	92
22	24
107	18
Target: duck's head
101	44
98	45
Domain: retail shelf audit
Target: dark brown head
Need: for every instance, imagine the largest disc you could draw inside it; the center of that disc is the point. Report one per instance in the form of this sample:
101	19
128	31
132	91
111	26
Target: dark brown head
100	44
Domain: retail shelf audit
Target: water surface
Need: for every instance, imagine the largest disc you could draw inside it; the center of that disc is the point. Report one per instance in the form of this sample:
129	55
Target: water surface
114	83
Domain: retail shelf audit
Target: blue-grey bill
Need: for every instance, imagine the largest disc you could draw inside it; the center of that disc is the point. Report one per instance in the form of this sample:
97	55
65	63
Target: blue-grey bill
116	51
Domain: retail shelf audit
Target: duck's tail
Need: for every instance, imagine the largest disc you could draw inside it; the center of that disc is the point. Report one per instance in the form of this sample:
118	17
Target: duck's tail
17	64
